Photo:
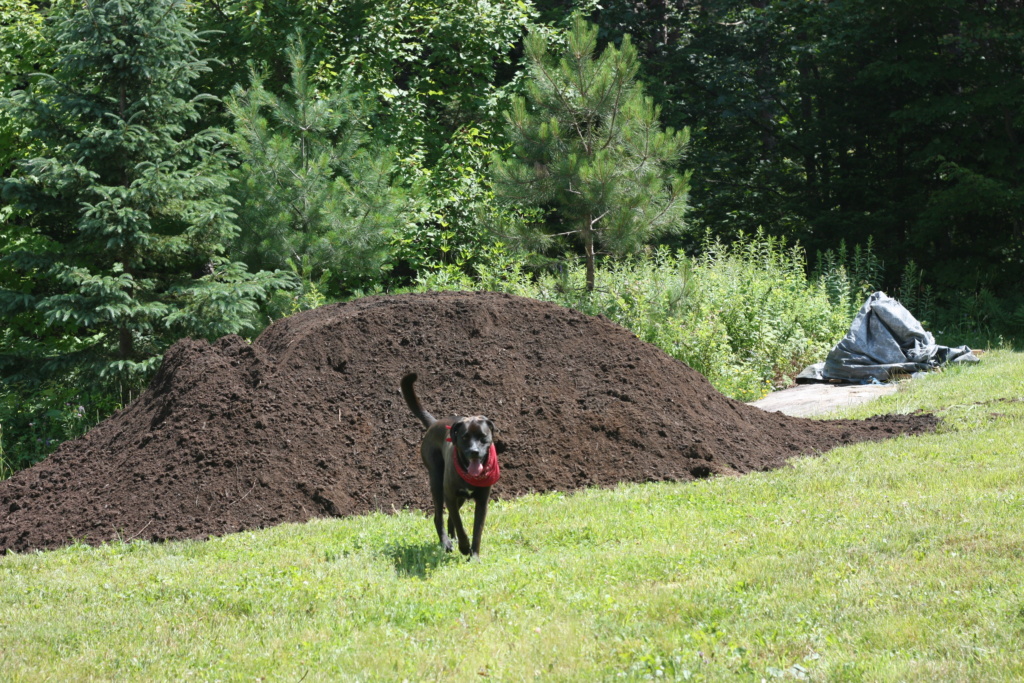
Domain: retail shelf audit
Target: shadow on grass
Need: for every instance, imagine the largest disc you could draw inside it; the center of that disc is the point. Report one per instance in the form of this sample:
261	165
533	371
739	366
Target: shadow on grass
418	560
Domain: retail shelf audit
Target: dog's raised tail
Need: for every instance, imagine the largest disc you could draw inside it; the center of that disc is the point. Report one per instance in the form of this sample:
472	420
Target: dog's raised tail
414	403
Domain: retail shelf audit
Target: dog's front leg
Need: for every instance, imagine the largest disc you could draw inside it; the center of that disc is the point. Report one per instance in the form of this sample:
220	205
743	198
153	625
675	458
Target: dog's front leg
455	520
479	517
437	493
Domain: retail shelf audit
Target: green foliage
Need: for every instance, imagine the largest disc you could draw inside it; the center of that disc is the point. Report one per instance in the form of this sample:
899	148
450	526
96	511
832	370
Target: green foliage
35	418
588	149
123	216
461	204
728	69
439	71
849	277
938	156
439	66
838	121
244	34
22	49
442	71
744	315
977	214
978	319
916	295
308	295
776	321
312	189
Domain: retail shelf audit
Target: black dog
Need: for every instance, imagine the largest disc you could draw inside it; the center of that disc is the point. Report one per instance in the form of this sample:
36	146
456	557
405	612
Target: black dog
462	463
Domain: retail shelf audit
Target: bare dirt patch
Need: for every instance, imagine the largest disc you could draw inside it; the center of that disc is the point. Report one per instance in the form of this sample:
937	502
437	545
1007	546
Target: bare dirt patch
307	421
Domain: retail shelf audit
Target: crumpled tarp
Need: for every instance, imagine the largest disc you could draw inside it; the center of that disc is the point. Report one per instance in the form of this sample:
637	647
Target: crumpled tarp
884	340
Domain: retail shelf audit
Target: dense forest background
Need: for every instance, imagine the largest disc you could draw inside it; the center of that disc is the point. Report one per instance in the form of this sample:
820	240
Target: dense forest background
180	169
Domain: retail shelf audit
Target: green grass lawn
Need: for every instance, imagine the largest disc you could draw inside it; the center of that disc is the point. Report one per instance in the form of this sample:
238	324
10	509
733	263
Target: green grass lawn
902	560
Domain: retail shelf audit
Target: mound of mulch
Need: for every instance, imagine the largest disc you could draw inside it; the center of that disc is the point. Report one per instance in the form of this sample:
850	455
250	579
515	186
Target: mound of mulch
308	421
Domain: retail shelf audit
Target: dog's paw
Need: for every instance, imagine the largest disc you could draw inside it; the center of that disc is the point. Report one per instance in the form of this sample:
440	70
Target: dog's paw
464	548
446	543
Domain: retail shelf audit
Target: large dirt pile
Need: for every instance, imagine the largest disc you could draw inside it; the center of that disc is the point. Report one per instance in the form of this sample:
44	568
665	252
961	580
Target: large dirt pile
308	421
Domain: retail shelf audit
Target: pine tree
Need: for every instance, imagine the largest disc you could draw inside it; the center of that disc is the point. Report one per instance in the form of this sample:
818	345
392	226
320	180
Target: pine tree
125	210
315	191
589	151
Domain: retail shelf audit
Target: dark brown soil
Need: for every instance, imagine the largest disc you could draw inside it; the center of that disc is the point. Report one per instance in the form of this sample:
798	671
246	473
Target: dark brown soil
307	421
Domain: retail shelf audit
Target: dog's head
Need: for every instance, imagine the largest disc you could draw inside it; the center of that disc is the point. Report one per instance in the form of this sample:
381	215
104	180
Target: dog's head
473	437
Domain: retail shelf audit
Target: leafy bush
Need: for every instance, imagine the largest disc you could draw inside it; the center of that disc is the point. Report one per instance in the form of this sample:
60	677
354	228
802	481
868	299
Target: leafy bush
849	276
36	418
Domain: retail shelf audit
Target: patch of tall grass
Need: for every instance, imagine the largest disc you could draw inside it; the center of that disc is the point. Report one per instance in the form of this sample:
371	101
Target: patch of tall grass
745	314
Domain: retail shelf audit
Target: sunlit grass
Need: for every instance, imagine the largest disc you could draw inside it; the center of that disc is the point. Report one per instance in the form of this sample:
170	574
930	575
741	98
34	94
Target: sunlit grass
902	560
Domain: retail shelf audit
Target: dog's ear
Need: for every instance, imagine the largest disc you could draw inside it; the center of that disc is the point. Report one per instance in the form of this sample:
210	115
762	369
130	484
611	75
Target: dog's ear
458	428
490	425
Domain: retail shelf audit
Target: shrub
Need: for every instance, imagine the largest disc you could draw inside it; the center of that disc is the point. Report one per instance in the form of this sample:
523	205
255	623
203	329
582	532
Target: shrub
36	418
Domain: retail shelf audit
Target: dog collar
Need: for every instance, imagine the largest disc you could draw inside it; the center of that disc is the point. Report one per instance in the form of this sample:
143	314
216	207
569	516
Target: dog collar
491	471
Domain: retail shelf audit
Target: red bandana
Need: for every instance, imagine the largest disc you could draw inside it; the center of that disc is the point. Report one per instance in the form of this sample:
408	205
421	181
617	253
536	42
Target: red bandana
490	473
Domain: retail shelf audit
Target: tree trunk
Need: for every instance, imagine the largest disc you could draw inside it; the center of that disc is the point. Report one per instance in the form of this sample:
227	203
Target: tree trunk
588	248
125	348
